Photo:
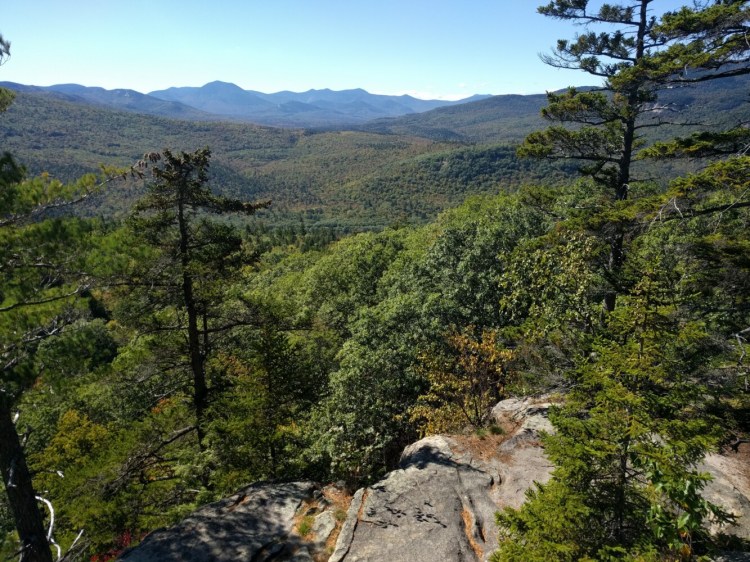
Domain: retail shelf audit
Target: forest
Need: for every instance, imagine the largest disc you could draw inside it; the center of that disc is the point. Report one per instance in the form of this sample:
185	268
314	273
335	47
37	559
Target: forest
165	338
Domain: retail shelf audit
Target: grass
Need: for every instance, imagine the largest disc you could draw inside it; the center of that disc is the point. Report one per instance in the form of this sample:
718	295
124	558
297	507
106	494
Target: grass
305	525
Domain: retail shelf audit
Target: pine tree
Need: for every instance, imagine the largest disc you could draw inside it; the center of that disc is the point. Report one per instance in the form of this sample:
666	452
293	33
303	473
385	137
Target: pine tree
641	56
635	423
627	441
41	279
195	256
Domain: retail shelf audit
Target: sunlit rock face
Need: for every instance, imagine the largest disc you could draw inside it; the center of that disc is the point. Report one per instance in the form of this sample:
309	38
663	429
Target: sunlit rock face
439	505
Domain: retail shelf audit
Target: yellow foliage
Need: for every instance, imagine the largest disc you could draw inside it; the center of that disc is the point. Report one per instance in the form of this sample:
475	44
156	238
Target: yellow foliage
77	437
464	383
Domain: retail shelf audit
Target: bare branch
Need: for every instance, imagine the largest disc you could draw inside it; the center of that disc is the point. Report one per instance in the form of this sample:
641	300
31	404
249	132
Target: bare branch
51	528
76	291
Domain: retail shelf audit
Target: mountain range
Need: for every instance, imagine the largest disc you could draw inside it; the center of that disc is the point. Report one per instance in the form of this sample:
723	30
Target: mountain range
221	101
313	108
479	118
356	176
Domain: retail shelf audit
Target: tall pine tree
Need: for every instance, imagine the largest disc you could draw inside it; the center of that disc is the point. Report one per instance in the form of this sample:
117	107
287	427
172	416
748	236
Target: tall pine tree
41	279
634	424
181	290
637	55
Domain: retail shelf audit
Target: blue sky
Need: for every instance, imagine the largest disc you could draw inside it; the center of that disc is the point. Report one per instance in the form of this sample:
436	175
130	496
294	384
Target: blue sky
427	48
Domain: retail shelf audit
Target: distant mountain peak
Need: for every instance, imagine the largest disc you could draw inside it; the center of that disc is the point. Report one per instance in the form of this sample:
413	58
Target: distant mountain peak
222	84
313	108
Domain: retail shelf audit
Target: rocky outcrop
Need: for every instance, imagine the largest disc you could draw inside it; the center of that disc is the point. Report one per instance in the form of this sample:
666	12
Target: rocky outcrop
439	505
438	502
255	524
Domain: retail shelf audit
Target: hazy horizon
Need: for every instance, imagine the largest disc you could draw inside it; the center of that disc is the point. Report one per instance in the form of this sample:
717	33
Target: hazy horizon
432	49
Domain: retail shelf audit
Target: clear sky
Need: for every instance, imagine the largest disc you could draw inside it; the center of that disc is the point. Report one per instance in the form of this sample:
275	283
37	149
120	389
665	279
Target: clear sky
427	48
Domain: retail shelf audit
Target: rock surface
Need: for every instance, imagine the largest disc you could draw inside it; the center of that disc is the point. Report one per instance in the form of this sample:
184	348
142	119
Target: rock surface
730	488
323	527
439	505
254	524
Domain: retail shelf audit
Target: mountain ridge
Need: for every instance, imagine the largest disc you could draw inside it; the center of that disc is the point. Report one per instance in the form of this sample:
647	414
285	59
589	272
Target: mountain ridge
118	99
314	107
225	101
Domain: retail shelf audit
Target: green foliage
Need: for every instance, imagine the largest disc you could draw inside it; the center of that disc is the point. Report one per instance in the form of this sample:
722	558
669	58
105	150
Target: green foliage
701	145
348	278
551	282
707	40
220	355
638	418
345	181
42	277
442	277
640	415
6	96
712	39
627	440
194	256
337	345
342	180
538	533
116	478
550	303
305	526
257	428
637	55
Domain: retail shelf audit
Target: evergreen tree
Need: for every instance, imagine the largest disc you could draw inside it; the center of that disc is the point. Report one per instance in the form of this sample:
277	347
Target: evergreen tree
635	423
41	278
257	426
179	292
628	438
642	55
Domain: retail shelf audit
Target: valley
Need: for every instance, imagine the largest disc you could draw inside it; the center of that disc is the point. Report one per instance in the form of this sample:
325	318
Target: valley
403	169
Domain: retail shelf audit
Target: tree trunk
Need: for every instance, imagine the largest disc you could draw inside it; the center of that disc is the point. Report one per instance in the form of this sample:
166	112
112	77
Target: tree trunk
20	490
616	250
197	358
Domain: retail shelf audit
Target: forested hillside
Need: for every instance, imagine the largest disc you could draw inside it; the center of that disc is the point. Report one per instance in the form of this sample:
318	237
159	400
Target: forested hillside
167	337
509	118
346	179
406	169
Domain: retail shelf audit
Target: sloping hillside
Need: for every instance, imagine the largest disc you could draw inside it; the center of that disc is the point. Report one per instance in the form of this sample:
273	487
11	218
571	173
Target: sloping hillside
496	119
510	118
352	179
